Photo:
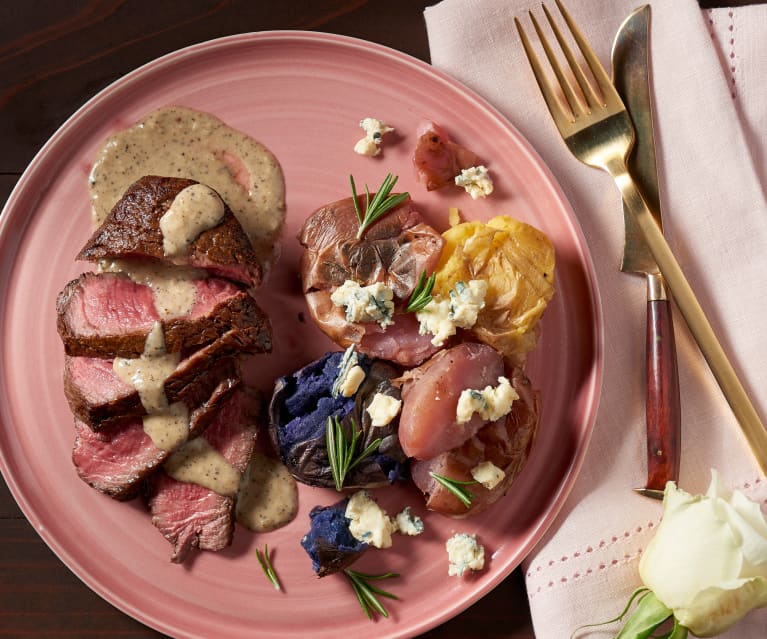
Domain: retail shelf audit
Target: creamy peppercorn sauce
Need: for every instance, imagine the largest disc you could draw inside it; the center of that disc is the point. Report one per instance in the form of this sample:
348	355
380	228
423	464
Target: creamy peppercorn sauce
167	425
193	211
180	142
176	141
268	497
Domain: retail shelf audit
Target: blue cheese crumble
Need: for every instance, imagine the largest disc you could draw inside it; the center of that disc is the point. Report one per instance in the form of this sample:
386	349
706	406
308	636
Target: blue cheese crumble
374	129
476	181
368	522
441	317
464	554
374	303
383	408
406	523
350	374
488	474
492	402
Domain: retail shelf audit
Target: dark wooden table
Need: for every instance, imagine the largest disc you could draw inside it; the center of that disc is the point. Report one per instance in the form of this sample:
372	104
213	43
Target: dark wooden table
55	55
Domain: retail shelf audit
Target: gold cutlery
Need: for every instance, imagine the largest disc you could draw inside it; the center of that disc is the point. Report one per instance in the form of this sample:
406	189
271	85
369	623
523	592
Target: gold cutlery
631	77
598	131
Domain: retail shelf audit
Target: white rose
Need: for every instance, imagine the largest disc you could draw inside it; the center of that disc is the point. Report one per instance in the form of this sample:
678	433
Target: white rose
708	559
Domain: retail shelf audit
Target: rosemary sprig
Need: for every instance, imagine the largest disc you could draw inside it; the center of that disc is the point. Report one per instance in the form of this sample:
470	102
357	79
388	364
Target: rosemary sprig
380	204
368	594
342	451
266	566
421	293
456	487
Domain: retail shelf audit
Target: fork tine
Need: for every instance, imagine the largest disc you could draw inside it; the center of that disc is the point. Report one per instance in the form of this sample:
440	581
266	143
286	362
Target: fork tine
603	80
573	101
588	91
561	118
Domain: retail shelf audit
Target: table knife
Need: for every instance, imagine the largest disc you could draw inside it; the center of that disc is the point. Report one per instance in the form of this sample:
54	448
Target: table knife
631	76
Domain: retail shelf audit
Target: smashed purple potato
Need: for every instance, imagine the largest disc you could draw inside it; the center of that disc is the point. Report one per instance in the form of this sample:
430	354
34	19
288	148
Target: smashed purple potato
329	542
298	415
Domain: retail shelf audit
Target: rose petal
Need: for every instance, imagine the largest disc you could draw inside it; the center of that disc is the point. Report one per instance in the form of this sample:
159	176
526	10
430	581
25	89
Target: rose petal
692	528
715	609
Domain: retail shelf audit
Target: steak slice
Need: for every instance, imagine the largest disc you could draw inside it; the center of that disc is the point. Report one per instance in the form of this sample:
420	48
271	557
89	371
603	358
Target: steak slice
110	315
119	457
191	516
132	229
98	397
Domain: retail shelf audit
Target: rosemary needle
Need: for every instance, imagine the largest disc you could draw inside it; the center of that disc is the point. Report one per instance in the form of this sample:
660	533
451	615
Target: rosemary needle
456	487
421	293
266	566
367	594
381	203
342	451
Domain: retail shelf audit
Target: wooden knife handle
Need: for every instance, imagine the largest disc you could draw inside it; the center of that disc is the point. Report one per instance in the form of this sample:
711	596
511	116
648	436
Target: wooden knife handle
663	411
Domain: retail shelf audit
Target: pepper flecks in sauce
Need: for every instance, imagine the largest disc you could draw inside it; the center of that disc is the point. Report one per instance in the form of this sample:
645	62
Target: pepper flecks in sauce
148	372
197	462
194	210
268	496
179	142
167	426
173	287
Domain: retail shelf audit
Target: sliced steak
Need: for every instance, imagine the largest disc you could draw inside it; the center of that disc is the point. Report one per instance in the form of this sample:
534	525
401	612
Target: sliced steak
110	315
191	516
132	229
98	397
115	460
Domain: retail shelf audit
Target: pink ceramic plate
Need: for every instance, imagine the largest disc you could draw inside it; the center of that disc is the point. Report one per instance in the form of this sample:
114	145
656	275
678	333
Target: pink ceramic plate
302	94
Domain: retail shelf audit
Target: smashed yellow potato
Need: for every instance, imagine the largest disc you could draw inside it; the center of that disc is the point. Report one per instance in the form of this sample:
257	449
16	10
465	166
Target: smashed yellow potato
517	262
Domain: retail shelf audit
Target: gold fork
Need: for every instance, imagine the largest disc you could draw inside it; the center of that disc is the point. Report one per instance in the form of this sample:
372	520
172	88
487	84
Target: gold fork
599	132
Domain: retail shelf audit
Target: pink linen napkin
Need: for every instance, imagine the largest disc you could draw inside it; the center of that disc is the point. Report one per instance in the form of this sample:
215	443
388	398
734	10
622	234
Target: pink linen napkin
709	69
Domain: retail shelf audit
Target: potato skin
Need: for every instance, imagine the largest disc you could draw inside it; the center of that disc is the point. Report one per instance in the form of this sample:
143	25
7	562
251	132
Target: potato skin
329	542
506	443
428	422
517	261
394	251
298	412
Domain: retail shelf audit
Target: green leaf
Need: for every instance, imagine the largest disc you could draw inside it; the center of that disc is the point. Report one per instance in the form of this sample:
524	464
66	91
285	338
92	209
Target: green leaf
677	632
456	487
266	565
367	595
342	450
648	615
381	203
421	295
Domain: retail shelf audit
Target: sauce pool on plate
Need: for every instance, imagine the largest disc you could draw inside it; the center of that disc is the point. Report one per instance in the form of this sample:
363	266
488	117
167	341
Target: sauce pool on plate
176	141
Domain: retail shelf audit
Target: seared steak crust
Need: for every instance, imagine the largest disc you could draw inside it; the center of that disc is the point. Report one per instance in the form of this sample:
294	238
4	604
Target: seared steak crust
132	229
108	315
99	398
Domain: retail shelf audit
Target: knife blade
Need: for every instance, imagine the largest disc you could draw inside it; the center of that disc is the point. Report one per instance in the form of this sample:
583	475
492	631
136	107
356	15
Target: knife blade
631	76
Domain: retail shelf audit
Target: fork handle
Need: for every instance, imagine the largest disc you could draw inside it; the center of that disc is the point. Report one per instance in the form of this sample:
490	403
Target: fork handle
662	406
736	396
